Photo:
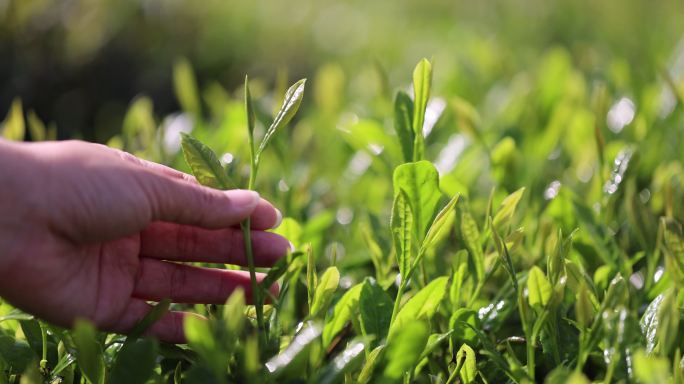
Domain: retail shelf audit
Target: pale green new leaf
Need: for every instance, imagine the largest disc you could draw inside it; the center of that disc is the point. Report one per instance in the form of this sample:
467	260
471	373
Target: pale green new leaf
651	369
401	224
403	351
471	237
89	352
507	208
440	224
403	118
466	361
204	163
342	313
327	285
369	367
420	182
674	249
422	306
13	128
293	98
539	289
36	126
422	79
185	86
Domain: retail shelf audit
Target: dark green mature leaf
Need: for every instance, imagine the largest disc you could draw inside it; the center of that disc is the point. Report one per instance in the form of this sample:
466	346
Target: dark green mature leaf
14	128
420	182
403	350
342	313
293	98
375	306
539	289
204	164
401	224
135	362
325	289
403	120
33	335
422	81
422	306
16	353
89	352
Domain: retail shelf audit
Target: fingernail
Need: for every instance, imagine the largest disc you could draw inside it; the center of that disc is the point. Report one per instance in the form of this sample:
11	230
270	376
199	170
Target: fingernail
279	218
243	197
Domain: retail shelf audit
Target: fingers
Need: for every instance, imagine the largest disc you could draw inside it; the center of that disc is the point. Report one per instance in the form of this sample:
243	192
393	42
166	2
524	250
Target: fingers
168	328
158	280
176	242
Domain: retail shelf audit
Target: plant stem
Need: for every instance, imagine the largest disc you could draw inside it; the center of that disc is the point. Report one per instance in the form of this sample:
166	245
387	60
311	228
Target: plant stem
247	236
43	335
397	301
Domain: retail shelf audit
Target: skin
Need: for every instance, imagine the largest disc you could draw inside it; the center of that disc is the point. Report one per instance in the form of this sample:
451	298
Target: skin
87	231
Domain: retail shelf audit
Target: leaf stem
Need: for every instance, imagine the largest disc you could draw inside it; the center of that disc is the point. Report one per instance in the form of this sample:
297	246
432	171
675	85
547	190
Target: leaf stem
247	236
397	301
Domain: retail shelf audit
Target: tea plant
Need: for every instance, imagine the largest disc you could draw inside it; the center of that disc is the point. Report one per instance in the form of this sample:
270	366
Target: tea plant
431	244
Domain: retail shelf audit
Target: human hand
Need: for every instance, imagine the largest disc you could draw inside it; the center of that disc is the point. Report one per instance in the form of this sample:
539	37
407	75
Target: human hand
92	232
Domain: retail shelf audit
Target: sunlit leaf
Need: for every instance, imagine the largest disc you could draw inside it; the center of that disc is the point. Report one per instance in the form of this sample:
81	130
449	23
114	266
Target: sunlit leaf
342	313
420	182
439	225
403	120
204	164
327	285
403	350
465	359
422	306
507	208
13	128
89	352
402	232
185	85
539	289
293	98
422	81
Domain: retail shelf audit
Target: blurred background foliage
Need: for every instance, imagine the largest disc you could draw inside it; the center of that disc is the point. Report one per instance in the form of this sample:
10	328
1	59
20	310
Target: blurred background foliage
80	62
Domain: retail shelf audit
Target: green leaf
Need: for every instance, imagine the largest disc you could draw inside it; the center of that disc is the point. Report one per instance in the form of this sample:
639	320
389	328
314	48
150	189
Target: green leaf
651	369
403	118
507	208
471	237
233	312
422	79
466	362
249	110
204	163
401	224
13	128
89	352
462	333
342	313
372	361
403	351
135	362
538	288
422	306
584	308
504	256
440	225
375	306
33	335
420	182
674	249
16	353
345	362
668	322
36	126
156	313
293	358
185	86
327	286
293	98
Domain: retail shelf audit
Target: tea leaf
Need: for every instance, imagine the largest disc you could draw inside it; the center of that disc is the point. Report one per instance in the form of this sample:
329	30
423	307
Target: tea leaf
290	359
539	289
204	164
420	182
327	286
504	256
346	361
293	98
422	306
342	313
89	352
185	85
375	306
651	369
471	237
674	248
507	208
135	362
465	360
233	312
439	225
36	127
403	118
13	128
422	79
371	361
402	225
403	350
